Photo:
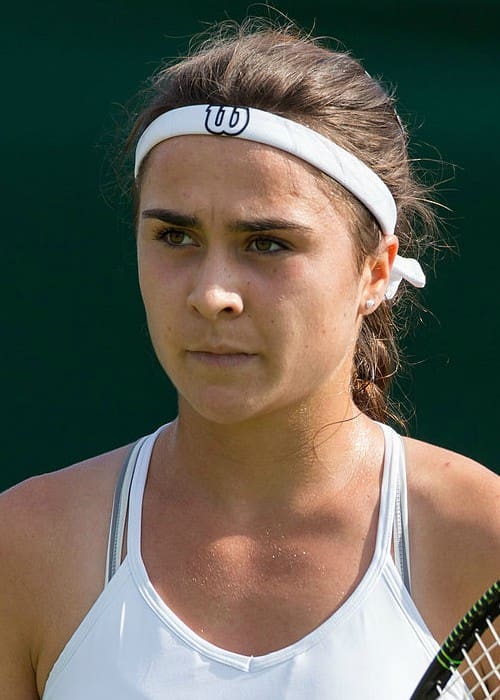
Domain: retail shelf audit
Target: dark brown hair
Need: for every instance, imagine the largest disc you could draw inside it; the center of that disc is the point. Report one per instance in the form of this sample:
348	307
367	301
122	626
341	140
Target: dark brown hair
280	70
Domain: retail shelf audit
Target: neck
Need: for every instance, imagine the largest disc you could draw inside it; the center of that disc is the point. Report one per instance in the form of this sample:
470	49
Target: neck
277	459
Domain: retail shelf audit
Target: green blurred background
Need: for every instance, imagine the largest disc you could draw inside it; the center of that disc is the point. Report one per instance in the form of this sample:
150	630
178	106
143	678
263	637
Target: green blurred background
79	375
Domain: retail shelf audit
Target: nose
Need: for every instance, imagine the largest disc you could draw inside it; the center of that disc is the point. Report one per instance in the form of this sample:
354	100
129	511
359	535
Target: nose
214	293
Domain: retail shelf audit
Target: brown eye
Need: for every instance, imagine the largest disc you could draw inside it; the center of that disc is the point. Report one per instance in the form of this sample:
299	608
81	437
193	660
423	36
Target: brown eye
266	245
175	238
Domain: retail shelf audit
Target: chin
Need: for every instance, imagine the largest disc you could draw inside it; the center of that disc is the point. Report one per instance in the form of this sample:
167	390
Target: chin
225	407
227	413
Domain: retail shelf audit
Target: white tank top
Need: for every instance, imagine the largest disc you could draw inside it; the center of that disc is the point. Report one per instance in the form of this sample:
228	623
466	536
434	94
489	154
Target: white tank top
131	646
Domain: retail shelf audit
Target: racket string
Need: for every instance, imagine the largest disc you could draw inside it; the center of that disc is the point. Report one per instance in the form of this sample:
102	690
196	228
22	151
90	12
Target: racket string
476	678
473	669
496	645
467	666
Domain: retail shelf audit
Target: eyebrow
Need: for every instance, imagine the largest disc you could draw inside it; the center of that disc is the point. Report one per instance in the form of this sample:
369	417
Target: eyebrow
170	216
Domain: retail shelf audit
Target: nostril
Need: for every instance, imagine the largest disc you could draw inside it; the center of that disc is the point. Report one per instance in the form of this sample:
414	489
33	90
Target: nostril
215	301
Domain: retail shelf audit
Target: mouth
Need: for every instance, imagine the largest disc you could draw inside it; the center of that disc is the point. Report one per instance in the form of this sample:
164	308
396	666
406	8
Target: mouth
221	357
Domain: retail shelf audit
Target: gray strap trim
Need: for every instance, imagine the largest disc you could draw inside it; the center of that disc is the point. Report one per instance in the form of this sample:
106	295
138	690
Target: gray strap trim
400	527
119	512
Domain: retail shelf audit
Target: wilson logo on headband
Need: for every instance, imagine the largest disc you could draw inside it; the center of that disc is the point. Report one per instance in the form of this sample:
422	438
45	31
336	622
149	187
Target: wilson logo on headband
230	121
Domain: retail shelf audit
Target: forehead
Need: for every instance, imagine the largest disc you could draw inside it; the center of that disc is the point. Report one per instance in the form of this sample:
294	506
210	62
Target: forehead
227	167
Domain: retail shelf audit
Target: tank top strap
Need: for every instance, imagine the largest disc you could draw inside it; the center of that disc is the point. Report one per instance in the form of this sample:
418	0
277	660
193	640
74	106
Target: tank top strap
137	460
396	463
119	512
401	535
136	497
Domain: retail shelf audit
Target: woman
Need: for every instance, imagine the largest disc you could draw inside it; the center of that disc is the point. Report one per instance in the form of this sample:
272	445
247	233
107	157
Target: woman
281	540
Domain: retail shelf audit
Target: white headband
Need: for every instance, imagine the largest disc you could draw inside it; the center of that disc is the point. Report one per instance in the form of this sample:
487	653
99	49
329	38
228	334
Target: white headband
304	143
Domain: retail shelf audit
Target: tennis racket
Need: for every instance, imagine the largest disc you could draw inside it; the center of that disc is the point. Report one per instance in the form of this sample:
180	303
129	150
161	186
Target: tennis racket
470	655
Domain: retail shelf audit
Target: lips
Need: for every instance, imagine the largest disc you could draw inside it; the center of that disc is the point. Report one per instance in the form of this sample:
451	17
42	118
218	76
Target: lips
221	356
220	350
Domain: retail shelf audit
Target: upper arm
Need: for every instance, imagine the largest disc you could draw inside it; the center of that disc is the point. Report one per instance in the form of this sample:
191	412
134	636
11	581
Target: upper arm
17	676
17	624
454	510
53	534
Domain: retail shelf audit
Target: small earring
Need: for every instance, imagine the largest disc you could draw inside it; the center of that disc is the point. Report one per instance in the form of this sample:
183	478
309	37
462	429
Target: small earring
369	303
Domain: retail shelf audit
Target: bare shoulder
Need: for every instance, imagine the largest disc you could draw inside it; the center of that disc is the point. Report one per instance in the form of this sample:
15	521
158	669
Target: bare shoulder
454	505
53	531
35	512
457	488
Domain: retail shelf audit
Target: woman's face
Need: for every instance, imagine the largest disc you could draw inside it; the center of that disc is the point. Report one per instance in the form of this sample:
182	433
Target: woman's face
248	277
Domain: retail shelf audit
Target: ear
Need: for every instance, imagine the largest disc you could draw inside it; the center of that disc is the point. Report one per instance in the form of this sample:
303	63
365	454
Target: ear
376	274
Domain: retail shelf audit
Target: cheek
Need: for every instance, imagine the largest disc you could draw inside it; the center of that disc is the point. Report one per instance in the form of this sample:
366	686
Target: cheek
158	295
325	295
320	322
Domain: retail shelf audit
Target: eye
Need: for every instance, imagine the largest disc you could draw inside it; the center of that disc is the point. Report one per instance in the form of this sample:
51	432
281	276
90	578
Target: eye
263	244
176	238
